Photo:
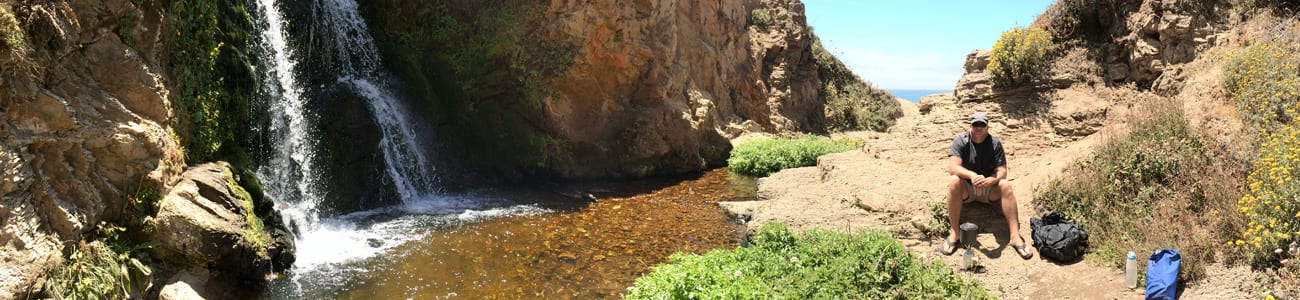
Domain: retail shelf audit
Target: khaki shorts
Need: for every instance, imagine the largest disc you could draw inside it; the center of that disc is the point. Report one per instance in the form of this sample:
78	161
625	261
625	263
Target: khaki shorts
970	193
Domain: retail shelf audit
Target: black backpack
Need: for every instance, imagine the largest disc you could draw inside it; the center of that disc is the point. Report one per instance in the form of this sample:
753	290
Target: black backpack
1057	239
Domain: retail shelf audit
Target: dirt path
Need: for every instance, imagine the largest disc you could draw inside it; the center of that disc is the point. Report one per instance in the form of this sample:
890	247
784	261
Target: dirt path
890	183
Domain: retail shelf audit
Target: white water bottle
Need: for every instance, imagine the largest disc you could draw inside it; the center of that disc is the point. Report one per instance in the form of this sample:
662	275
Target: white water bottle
1130	270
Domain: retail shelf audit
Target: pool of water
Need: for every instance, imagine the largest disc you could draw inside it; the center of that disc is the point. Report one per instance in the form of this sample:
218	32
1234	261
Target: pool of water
583	250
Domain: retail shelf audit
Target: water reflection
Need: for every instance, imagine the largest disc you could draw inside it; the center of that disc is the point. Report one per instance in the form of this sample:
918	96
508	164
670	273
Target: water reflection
591	251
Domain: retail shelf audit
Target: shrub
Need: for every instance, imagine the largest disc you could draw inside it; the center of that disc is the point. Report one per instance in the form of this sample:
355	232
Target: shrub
11	35
817	264
1264	79
761	17
1161	175
851	104
1270	201
1020	56
764	157
107	269
1068	19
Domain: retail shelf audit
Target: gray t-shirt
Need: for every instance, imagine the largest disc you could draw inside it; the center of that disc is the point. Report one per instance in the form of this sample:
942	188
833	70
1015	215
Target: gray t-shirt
983	158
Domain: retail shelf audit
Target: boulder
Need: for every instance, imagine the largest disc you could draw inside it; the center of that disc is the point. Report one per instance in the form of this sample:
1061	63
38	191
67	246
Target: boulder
208	221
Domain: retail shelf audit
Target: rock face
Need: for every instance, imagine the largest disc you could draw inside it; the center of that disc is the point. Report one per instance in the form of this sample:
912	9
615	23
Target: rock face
84	121
655	84
1141	42
646	86
208	221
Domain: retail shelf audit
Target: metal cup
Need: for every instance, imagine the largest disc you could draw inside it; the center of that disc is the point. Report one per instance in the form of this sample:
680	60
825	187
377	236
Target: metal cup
968	232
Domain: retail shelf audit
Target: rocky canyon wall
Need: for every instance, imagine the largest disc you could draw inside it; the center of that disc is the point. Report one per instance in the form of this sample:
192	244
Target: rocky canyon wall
598	89
85	121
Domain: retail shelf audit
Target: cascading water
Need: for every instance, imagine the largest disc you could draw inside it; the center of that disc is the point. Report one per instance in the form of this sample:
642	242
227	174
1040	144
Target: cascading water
292	172
356	59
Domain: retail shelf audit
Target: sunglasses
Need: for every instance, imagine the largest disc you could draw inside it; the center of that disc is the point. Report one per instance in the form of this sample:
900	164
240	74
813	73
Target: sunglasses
979	125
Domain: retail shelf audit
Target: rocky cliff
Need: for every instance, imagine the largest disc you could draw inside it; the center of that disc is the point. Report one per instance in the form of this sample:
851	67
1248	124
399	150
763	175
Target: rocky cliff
586	89
86	95
85	119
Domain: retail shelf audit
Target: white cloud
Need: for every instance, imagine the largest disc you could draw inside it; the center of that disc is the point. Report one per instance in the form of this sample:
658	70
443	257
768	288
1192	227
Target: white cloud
889	70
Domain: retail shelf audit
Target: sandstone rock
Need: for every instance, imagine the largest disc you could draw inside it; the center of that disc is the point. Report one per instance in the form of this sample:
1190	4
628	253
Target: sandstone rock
976	61
975	84
208	221
1082	116
76	133
178	291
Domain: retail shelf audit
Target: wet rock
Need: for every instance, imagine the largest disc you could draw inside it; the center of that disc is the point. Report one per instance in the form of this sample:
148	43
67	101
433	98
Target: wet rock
208	221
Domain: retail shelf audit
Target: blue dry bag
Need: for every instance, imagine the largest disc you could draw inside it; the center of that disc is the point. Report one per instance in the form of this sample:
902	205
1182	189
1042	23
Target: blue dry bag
1162	274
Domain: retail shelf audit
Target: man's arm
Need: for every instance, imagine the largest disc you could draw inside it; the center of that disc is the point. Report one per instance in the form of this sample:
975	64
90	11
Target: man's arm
955	168
1002	174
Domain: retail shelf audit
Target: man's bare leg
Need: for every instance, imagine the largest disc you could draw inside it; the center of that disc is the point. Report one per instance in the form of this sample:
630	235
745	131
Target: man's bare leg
956	195
1011	211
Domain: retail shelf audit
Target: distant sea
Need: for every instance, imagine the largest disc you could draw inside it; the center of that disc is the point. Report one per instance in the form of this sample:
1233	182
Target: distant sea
915	95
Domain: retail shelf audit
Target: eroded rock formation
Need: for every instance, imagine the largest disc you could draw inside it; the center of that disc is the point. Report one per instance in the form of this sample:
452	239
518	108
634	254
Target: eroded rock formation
85	120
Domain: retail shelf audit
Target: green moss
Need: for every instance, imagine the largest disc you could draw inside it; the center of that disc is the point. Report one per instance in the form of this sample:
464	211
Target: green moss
255	233
477	72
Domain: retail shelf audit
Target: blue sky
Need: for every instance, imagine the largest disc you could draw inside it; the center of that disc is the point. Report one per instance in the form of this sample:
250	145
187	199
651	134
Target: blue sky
914	44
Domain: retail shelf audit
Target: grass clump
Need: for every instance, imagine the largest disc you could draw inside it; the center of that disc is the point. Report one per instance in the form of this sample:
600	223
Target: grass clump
816	264
1161	175
1020	56
851	104
766	156
108	268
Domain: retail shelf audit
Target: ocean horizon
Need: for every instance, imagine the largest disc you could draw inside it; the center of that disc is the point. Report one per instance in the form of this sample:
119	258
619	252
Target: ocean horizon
914	96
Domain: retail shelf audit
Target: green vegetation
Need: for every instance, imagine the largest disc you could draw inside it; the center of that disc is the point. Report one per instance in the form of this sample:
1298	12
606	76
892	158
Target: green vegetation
478	72
255	234
766	156
938	226
816	264
11	35
1161	175
111	263
109	268
214	79
1264	80
1020	56
761	17
851	104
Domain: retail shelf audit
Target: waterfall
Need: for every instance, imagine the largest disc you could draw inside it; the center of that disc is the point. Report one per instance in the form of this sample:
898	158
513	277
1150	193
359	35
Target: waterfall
291	174
351	52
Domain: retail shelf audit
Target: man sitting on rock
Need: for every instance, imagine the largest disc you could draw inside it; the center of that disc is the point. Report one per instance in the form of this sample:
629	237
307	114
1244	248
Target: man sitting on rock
979	170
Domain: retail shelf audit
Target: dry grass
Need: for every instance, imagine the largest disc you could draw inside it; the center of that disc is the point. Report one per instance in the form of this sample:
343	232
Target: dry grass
1161	185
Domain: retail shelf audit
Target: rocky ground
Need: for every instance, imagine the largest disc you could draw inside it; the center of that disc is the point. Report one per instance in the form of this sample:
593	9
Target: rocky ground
893	179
